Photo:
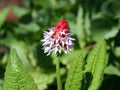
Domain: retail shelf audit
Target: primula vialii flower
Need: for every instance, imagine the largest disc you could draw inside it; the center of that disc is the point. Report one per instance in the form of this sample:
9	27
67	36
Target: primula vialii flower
57	38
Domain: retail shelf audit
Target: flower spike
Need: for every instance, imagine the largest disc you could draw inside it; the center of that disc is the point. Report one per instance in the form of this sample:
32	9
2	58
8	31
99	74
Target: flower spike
57	38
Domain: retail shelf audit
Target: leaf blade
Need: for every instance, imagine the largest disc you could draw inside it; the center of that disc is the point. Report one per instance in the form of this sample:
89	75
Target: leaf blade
3	16
95	66
75	75
16	76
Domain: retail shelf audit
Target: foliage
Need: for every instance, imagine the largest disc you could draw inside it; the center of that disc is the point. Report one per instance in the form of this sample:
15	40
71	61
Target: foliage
89	22
75	75
94	68
96	63
16	77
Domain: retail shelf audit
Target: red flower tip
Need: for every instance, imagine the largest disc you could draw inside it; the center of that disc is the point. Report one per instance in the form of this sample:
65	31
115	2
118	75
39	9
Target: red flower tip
62	25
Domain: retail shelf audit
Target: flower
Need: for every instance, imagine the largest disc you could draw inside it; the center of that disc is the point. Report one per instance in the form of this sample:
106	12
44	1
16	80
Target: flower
57	38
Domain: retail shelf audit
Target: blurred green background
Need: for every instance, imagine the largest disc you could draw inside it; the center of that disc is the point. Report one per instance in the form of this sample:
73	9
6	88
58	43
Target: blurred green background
22	23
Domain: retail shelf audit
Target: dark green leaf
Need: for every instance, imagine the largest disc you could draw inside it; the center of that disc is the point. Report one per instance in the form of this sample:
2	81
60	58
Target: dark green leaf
111	82
1	84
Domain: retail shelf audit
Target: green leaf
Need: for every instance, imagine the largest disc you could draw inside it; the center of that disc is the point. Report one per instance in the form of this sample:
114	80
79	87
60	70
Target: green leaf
4	59
27	28
46	3
75	75
111	69
112	33
105	31
21	47
80	31
117	51
87	26
3	15
96	63
1	84
43	79
20	11
16	76
68	58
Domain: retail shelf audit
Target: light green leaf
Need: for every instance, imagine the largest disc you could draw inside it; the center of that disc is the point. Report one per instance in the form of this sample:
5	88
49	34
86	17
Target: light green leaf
3	15
96	63
80	26
117	51
80	31
16	76
68	58
27	28
87	26
111	69
43	79
46	3
112	33
75	75
21	47
20	11
4	59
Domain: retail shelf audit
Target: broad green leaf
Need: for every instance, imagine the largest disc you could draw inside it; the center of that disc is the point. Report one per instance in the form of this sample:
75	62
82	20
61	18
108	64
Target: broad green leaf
16	76
27	28
75	75
20	11
104	31
111	69
44	78
46	3
117	51
41	16
117	15
112	33
20	46
96	63
68	58
3	15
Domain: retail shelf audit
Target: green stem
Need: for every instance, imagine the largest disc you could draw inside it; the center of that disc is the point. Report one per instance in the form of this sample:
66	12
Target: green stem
59	86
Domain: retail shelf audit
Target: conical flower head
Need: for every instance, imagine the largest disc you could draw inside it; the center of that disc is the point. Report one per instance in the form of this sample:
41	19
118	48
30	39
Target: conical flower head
62	25
57	38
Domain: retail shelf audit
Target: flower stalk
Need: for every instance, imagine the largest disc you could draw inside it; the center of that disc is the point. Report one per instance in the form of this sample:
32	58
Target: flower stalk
59	83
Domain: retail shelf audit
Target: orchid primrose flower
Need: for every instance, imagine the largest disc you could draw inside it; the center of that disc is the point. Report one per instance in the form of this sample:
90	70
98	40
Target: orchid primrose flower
58	38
